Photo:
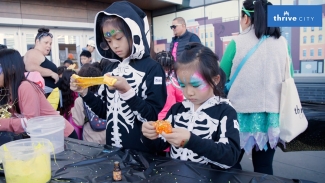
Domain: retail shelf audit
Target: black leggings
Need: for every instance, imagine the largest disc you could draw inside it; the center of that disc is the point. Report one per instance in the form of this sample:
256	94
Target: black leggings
73	135
262	160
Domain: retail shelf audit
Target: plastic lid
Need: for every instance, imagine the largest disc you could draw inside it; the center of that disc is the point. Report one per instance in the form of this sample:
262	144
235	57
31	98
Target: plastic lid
51	121
25	147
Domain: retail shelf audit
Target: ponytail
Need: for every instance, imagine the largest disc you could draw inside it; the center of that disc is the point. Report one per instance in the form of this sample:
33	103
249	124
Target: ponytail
260	19
257	13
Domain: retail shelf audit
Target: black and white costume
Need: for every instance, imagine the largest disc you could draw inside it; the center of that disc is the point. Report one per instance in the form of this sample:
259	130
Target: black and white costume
214	133
126	112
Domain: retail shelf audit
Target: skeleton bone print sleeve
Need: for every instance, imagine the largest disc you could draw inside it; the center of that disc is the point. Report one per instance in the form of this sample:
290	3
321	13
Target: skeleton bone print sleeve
214	133
153	98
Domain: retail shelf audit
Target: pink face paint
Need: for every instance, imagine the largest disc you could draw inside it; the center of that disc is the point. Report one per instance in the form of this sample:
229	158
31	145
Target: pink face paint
197	81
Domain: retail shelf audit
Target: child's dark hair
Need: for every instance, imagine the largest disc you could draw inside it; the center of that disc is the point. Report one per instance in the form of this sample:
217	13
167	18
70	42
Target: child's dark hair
207	63
119	23
166	60
67	94
259	18
104	63
61	69
88	70
68	61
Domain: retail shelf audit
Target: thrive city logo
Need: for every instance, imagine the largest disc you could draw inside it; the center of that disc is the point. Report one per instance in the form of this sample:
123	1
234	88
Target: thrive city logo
294	16
299	111
286	17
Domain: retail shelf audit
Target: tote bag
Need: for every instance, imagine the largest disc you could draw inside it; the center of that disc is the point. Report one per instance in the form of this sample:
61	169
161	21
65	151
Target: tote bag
292	118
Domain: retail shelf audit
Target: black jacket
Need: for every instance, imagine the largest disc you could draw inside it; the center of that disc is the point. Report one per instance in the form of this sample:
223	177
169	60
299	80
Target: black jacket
214	133
125	114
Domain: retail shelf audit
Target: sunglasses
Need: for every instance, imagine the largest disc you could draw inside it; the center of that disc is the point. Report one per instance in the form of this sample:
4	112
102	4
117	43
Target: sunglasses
174	26
44	34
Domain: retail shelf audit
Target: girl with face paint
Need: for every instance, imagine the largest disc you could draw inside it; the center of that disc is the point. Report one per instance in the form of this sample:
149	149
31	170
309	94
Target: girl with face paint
205	127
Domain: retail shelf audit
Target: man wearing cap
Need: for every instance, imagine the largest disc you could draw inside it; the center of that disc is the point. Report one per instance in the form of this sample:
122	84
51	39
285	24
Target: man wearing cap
91	46
182	37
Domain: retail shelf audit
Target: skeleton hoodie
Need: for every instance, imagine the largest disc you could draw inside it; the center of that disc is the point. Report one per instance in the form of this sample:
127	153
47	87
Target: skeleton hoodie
214	132
126	112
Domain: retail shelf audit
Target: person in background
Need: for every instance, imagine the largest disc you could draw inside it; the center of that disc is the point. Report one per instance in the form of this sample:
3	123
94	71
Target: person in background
85	57
2	46
67	63
256	91
61	69
139	93
78	110
68	98
205	127
23	98
181	37
35	60
91	47
174	93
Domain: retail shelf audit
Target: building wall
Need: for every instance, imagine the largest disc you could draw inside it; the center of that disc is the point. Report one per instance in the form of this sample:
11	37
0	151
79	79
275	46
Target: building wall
59	10
70	21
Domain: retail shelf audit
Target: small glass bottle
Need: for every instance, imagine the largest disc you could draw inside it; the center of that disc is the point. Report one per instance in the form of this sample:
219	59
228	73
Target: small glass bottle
117	174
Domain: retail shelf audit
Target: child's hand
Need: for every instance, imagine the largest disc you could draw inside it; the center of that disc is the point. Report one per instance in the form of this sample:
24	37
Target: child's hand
76	88
178	138
149	130
121	84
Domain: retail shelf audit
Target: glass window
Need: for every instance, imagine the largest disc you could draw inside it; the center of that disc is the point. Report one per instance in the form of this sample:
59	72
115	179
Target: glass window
305	29
320	38
8	40
312	52
304	53
211	34
312	28
68	48
312	39
319	52
206	34
320	28
211	43
305	39
206	43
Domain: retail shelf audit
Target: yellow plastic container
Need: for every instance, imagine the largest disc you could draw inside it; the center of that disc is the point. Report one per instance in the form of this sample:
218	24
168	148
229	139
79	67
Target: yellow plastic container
27	160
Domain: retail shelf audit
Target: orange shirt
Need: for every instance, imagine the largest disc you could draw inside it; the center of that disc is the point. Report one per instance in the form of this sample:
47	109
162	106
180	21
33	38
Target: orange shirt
32	103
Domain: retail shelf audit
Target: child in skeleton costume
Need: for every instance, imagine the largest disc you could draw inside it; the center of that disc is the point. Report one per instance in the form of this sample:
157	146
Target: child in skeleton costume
205	127
122	36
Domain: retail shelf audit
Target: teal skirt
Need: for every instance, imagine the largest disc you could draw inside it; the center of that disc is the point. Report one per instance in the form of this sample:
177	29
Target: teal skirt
257	129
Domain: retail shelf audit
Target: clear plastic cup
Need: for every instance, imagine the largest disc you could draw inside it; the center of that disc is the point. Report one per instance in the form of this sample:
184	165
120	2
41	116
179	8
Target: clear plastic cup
48	127
27	160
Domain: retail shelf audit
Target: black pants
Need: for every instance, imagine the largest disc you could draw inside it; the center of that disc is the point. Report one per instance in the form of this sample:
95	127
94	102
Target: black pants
262	160
10	136
73	135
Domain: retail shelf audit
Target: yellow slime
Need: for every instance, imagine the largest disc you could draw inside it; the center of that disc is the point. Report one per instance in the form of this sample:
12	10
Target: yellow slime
34	170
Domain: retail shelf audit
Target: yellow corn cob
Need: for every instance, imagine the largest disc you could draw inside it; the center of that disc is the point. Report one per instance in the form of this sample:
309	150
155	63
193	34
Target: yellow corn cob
85	82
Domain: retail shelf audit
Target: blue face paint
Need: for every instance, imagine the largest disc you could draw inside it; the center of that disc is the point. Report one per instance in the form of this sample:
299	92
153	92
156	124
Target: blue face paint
0	69
181	84
197	81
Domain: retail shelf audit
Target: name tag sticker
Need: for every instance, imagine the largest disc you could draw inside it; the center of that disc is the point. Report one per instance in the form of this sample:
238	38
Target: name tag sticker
157	81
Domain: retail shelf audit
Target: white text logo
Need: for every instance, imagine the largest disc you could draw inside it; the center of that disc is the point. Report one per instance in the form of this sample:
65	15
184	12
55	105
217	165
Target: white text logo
288	18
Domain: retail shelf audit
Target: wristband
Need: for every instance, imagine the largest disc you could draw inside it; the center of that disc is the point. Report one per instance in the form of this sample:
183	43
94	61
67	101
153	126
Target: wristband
183	143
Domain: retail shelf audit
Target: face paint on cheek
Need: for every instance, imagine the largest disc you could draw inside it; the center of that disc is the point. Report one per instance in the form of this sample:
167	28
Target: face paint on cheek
197	79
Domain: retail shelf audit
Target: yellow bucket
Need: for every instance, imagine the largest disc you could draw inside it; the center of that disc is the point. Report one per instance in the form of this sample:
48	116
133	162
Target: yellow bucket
27	160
